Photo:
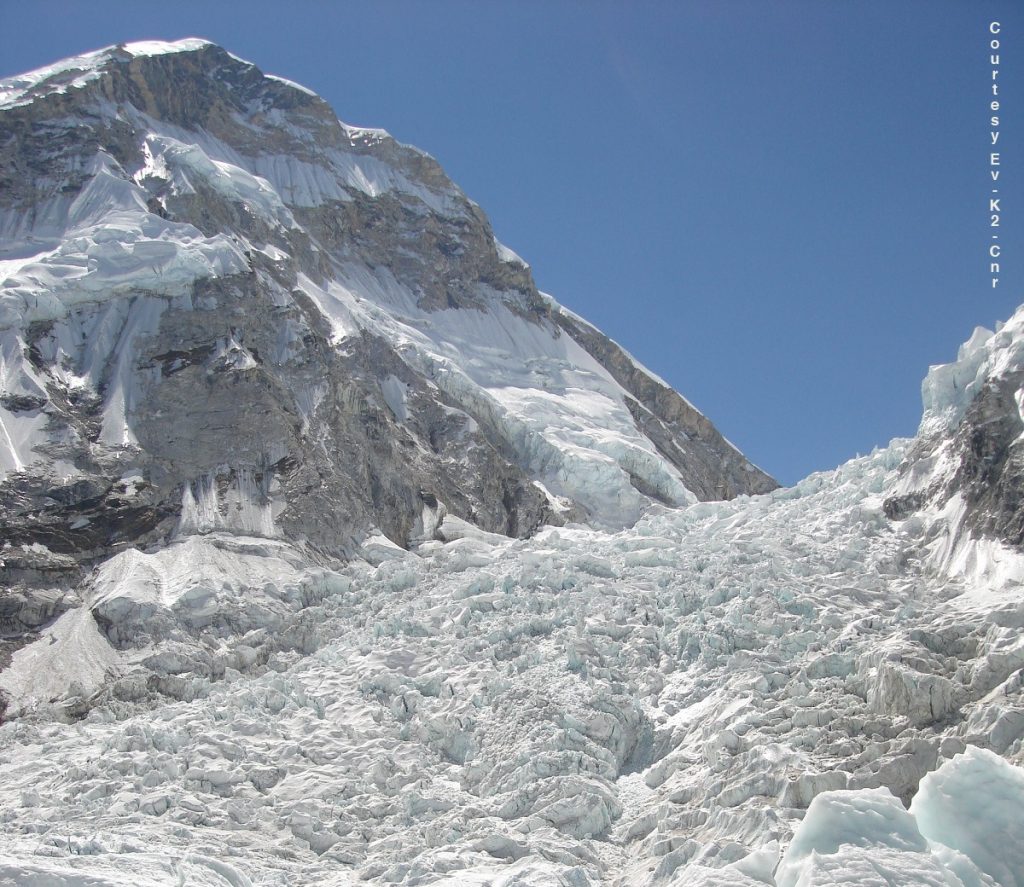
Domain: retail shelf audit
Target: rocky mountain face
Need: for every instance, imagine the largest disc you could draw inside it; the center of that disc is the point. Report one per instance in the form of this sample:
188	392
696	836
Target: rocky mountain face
216	284
335	553
967	463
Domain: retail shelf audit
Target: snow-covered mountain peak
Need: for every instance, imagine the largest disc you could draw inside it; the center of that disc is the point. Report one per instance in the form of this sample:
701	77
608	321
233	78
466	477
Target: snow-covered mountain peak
75	72
185	207
332	551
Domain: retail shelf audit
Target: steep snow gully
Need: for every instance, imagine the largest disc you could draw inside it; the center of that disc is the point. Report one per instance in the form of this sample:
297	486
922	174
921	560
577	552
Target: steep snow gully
334	553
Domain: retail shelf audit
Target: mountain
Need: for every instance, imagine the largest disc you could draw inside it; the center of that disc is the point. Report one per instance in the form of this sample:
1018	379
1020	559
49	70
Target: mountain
334	552
281	324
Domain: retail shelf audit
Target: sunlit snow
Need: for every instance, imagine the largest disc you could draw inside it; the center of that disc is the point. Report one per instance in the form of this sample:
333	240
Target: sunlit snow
790	689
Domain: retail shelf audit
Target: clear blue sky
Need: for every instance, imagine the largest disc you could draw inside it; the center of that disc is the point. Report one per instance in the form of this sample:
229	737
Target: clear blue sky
780	207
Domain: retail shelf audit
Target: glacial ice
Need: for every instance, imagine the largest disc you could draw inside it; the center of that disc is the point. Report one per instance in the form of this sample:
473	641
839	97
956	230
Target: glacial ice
176	162
244	505
861	837
963	828
89	867
973	804
71	660
657	705
111	246
556	407
949	388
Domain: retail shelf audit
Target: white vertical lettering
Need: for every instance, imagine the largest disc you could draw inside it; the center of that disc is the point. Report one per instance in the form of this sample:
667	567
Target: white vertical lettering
994	157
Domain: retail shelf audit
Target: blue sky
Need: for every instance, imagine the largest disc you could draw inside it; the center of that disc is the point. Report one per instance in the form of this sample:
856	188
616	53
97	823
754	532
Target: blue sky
779	207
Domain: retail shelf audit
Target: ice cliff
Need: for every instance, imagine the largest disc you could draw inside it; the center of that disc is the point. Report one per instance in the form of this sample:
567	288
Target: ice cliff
335	553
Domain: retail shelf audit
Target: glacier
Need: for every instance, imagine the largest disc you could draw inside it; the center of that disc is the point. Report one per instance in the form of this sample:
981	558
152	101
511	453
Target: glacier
669	704
334	552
